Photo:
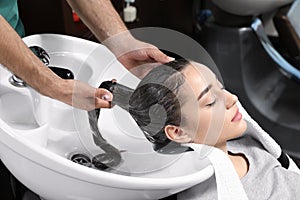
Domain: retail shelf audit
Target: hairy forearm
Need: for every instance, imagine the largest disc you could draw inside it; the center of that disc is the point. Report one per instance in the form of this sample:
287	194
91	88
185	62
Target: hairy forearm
100	17
19	59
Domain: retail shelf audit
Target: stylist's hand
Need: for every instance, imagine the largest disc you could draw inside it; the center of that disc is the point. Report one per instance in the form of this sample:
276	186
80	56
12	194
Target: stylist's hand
83	96
140	53
141	60
137	56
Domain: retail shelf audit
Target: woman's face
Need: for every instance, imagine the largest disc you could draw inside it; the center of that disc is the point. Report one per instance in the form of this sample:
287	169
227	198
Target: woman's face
210	113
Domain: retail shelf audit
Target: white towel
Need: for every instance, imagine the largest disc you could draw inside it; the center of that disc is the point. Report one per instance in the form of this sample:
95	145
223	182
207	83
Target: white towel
257	132
229	186
267	141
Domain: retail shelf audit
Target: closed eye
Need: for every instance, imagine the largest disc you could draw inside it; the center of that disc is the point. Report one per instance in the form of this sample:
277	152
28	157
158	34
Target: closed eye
212	103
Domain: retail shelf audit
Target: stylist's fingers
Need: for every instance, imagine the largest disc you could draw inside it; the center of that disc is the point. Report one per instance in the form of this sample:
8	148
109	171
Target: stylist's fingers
142	70
158	56
103	98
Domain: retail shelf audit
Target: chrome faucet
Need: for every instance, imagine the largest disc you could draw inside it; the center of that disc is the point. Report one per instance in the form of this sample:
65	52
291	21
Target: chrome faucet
41	54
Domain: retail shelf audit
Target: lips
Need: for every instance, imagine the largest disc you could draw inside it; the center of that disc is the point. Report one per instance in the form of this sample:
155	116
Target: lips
237	117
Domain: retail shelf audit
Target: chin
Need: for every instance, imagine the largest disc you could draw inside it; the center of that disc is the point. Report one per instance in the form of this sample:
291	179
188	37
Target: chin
242	127
238	129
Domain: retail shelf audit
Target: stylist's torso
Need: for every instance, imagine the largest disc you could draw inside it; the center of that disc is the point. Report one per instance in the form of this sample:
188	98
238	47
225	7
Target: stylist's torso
9	10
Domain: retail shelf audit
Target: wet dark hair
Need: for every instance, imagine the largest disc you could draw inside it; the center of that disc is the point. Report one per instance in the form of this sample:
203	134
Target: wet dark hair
155	104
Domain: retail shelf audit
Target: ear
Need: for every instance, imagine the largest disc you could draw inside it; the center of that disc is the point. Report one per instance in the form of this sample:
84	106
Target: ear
176	134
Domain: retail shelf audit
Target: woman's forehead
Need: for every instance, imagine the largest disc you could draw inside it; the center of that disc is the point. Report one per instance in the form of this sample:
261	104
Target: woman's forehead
196	72
197	78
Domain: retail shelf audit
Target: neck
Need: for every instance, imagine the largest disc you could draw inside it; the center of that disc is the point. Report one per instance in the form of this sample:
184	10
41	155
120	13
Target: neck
222	146
239	160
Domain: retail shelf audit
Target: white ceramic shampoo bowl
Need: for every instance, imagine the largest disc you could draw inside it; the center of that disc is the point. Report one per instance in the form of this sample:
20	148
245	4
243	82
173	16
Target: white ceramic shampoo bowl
38	138
250	7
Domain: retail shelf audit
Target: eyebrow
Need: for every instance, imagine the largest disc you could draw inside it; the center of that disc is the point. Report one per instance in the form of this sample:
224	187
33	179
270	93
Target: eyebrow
206	90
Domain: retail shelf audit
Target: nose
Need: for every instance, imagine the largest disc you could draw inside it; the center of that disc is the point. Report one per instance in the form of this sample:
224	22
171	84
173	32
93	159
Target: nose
230	99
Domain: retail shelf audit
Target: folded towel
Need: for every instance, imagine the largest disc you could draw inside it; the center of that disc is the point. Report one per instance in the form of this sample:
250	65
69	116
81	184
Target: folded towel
229	186
257	132
266	140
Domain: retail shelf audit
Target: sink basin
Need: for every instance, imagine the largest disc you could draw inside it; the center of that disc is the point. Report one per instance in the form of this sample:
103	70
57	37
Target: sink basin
39	136
249	7
16	106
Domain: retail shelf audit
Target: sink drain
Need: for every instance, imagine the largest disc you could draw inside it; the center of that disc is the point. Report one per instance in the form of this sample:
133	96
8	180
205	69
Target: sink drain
100	161
81	159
